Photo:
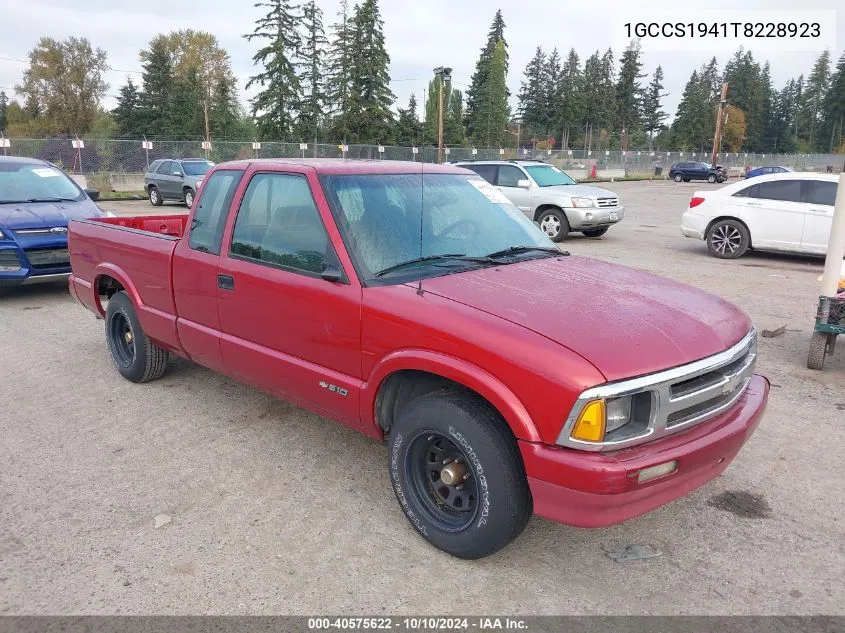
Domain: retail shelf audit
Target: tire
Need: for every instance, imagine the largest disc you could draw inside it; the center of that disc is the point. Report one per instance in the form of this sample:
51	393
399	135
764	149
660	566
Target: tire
496	502
818	350
728	239
596	232
711	179
155	197
134	355
189	198
677	178
554	224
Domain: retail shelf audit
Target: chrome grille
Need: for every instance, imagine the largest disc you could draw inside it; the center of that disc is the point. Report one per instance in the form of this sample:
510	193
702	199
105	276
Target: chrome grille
48	257
680	397
604	203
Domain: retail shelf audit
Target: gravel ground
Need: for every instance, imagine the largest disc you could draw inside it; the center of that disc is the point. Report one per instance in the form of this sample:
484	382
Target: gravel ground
276	510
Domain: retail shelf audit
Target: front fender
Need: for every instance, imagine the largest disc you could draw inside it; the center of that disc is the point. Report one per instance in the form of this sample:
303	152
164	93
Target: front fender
476	378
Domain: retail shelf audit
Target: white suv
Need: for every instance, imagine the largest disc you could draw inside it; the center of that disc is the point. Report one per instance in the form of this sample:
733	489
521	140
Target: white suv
551	198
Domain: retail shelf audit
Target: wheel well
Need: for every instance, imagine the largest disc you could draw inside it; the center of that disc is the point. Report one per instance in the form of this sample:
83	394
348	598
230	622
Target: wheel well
401	387
546	207
107	286
728	217
187	188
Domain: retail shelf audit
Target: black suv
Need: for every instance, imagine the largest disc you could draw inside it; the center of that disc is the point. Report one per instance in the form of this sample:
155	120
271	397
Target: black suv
694	170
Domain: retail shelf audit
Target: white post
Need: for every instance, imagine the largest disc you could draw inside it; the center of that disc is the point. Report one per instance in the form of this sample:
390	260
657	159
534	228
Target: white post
836	244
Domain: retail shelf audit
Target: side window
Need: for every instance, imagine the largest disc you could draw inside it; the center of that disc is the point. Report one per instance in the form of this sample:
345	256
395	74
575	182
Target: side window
153	167
819	192
745	192
164	168
488	172
783	190
175	168
210	216
278	224
509	176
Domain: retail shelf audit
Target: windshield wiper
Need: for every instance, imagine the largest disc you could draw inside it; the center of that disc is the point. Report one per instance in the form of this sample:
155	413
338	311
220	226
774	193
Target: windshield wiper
461	257
50	200
517	250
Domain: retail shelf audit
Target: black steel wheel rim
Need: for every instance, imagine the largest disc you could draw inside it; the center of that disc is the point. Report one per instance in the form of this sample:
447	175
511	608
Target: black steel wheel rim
431	460
122	339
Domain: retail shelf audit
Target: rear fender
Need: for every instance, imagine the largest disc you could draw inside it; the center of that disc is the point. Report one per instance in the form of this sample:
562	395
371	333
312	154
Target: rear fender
456	370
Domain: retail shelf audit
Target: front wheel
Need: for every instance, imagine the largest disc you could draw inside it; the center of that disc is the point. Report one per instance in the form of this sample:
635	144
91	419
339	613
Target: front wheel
136	357
819	344
711	179
189	198
728	239
554	224
596	232
457	473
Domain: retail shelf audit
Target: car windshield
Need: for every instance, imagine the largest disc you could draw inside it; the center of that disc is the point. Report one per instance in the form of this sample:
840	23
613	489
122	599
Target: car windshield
197	167
465	220
23	182
548	175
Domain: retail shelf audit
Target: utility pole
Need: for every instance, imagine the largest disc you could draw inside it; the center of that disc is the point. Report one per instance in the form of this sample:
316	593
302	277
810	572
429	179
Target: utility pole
717	137
205	115
443	75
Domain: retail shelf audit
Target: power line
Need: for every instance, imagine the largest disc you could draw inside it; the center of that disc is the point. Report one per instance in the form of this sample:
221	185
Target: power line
110	68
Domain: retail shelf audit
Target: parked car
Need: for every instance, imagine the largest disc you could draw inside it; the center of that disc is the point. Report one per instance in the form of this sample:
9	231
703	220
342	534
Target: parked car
498	368
175	179
37	199
791	211
551	198
763	171
696	170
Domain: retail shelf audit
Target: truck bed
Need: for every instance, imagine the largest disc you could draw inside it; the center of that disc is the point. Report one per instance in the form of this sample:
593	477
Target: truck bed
173	225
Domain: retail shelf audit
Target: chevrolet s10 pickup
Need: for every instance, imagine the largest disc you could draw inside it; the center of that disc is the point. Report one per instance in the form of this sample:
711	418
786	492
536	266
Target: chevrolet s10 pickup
419	306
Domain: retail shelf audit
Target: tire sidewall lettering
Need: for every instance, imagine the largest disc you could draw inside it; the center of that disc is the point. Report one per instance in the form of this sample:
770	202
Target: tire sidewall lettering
483	488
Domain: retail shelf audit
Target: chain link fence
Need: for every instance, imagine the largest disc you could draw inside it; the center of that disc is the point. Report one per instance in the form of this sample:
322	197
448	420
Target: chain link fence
102	158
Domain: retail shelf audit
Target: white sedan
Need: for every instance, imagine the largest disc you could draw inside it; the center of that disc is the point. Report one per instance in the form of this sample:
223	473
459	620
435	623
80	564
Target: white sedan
789	212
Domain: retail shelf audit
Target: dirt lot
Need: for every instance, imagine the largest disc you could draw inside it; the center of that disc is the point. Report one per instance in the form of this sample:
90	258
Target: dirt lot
276	510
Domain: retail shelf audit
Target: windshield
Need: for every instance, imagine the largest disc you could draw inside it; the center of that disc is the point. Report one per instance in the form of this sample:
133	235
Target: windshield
464	216
197	167
22	182
548	175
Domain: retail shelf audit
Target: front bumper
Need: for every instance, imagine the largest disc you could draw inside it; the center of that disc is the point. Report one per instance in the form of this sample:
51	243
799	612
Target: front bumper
17	267
600	489
593	218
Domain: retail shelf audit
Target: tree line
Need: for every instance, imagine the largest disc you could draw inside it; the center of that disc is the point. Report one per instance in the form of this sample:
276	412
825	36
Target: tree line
332	84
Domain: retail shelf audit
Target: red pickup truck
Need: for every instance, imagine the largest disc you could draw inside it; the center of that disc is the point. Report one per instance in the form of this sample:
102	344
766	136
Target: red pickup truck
421	307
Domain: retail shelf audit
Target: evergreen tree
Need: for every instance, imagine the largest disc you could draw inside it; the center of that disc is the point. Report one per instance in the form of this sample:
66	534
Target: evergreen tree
833	109
128	113
532	110
568	111
694	120
313	75
493	112
186	111
453	126
629	94
4	103
339	74
477	94
277	103
409	130
552	75
225	117
653	114
430	135
371	119
813	101
159	90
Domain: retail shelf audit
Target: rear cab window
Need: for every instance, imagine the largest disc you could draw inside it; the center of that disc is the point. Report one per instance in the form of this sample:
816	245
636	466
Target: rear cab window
213	208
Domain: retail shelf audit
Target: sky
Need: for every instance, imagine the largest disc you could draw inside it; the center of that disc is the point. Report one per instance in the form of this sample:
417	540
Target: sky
420	35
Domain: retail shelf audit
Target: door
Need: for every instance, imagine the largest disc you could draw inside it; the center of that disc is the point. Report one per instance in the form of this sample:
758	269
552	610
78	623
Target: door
699	171
162	177
176	180
774	213
820	196
521	197
195	270
286	329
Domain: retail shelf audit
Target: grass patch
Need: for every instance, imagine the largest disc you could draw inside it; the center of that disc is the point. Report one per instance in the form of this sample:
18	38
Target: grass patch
105	196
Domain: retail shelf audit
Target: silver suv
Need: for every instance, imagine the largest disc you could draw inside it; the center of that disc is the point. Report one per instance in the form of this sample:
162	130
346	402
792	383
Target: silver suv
551	198
177	179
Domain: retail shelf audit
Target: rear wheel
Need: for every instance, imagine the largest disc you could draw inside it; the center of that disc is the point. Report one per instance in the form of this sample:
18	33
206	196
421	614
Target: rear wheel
457	473
678	178
728	239
554	224
155	197
818	350
135	356
596	232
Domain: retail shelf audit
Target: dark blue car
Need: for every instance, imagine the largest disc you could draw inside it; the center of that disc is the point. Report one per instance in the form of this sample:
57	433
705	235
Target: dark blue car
770	169
37	200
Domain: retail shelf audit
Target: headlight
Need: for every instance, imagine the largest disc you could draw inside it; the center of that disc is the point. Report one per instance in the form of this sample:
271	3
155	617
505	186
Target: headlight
600	419
582	202
618	412
2	237
199	182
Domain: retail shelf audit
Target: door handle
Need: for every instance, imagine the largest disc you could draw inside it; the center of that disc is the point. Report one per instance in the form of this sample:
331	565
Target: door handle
226	282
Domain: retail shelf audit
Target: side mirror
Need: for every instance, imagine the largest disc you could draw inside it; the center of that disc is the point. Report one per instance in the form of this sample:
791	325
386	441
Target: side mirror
524	183
94	194
332	273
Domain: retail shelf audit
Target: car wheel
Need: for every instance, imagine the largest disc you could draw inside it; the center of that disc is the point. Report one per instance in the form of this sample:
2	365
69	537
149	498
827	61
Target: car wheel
135	356
554	224
457	474
711	179
678	178
189	198
728	239
155	197
596	232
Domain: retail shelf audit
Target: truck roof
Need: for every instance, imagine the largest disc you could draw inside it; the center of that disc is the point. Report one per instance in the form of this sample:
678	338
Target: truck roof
341	166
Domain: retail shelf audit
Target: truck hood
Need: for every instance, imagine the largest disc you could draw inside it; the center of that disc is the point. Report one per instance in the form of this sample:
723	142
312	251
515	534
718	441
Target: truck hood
579	191
37	215
624	321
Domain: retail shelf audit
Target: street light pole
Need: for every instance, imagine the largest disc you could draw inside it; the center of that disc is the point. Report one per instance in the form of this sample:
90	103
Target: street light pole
443	75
